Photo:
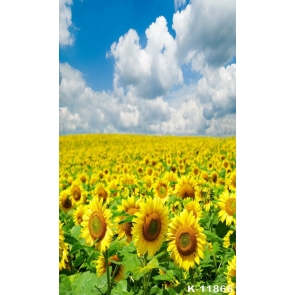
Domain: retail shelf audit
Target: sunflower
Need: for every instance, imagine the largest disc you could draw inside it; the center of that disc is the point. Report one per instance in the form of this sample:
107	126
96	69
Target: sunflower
186	188
65	202
162	189
101	267
150	226
227	204
231	181
63	249
195	207
175	207
226	239
171	177
231	273
186	240
78	214
195	170
97	225
102	192
84	178
205	195
129	206
148	182
113	188
78	195
214	177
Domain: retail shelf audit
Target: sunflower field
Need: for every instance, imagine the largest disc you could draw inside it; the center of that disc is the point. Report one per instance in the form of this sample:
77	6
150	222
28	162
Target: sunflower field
143	214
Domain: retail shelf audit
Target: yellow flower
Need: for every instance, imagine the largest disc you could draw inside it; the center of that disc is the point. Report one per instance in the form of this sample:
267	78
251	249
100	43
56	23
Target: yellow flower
186	188
150	226
186	240
227	204
78	214
162	189
129	206
97	225
195	207
65	202
78	195
231	272
63	249
101	267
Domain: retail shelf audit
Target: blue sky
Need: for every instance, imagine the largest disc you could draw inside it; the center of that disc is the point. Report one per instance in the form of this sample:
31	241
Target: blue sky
155	67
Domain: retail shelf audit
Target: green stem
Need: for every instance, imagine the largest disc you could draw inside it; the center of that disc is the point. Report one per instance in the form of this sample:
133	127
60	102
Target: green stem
108	271
191	272
145	284
215	263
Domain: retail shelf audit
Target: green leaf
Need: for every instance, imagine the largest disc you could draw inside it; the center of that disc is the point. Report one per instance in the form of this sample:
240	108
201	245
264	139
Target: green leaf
64	284
75	231
215	247
211	237
77	246
85	284
233	279
127	219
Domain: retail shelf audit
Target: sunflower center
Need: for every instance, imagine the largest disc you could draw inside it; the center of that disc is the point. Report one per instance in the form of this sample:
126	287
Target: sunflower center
187	191
186	241
151	227
97	225
102	194
128	225
67	203
230	206
77	193
162	191
79	219
214	178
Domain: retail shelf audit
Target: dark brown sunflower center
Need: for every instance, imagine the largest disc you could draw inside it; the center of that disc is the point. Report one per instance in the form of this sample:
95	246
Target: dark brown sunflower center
162	191
77	194
67	203
186	241
214	178
151	227
102	194
187	191
196	171
97	225
79	219
128	225
83	178
230	206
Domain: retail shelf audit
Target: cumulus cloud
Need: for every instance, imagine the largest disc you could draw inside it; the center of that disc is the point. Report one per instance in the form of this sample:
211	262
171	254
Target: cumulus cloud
151	71
144	98
206	30
65	22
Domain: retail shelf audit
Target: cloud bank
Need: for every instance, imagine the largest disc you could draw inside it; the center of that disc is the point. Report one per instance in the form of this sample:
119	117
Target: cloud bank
150	93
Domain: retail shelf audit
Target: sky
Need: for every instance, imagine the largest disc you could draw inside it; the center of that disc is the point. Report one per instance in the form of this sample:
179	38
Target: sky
147	67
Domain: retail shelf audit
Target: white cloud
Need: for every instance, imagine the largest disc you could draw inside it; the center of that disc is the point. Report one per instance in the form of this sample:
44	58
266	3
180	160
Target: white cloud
207	29
144	99
184	111
65	22
151	71
69	122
